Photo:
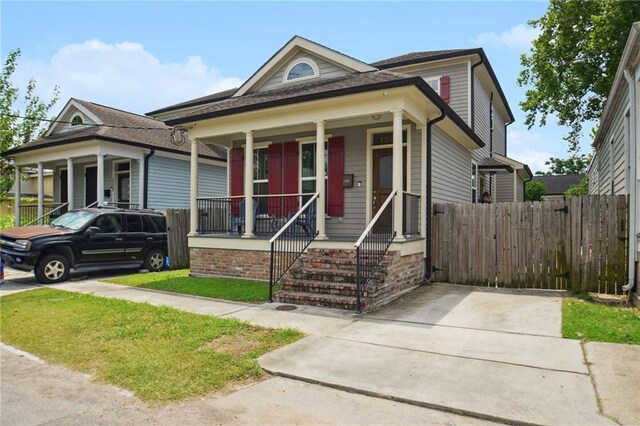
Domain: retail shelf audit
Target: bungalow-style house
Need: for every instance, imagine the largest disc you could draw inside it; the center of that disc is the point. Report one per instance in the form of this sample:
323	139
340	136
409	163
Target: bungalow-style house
615	168
347	157
108	157
556	185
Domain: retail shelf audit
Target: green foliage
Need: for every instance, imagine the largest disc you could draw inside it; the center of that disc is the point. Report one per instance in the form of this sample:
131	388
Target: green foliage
584	319
180	282
581	188
572	64
575	164
7	221
15	132
159	353
533	191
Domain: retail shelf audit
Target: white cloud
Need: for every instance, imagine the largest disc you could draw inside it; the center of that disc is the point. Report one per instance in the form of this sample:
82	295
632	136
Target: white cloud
122	75
518	38
521	147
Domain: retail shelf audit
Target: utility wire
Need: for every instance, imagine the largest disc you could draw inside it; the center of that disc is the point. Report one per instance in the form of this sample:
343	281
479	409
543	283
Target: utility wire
87	124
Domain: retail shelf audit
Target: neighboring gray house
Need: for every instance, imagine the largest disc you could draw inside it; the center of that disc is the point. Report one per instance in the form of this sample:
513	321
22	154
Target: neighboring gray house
556	185
615	168
104	156
313	122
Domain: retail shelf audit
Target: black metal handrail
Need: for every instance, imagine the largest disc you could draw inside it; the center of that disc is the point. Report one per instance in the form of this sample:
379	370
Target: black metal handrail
288	244
131	206
371	248
29	213
411	214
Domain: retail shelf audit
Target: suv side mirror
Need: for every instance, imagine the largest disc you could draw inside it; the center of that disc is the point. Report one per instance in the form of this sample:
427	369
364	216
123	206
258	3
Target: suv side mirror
91	231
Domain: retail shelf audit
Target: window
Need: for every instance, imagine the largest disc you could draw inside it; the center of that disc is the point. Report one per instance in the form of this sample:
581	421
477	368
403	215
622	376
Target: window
109	223
76	120
474	182
134	223
304	69
261	171
308	169
160	222
434	83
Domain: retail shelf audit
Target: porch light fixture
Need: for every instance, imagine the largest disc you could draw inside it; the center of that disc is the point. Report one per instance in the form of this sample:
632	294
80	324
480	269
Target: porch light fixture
376	117
178	136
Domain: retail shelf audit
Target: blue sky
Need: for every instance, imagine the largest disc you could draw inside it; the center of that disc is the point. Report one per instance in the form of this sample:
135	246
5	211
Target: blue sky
144	55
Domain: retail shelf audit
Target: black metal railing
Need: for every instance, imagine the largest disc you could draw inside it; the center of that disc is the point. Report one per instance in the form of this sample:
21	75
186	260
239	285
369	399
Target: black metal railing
50	211
411	214
288	244
371	248
130	206
219	215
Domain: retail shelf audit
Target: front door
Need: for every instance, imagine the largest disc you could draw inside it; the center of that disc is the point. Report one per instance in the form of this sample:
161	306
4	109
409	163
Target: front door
383	185
64	194
90	185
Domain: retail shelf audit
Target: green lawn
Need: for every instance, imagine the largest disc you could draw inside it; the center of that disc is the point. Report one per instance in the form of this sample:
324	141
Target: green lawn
180	282
584	319
161	354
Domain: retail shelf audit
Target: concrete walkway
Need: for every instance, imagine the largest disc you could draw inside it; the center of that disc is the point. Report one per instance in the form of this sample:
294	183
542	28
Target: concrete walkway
486	354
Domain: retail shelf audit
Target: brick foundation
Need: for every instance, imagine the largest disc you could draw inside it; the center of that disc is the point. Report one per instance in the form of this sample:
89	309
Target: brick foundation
249	264
403	274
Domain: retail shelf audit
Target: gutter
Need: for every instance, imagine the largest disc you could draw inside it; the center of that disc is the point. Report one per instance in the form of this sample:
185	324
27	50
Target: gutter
472	83
428	260
146	177
633	191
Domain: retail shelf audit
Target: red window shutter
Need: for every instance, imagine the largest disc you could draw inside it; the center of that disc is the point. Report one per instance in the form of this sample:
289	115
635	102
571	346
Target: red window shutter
335	175
444	88
275	177
291	179
237	180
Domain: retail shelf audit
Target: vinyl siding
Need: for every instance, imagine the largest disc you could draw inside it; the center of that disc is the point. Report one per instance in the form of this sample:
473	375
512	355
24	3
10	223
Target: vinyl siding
451	165
504	188
519	189
169	182
594	178
458	85
499	134
482	107
326	68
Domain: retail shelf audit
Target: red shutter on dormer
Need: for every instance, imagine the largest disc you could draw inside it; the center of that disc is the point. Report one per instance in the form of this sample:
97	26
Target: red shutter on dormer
291	179
237	181
444	88
335	175
274	186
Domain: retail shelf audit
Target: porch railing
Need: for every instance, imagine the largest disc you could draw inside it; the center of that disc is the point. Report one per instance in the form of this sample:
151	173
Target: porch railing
371	248
411	209
288	244
226	215
29	213
131	206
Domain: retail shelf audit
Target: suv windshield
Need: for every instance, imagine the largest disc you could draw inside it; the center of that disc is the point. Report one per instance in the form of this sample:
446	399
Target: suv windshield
73	220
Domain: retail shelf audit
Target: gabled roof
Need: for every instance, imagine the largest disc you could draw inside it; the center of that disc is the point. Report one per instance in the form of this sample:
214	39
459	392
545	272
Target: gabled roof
300	43
203	100
128	128
558	184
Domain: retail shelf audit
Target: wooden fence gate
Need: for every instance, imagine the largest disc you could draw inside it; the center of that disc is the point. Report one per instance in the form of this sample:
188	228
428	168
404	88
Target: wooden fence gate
177	230
576	244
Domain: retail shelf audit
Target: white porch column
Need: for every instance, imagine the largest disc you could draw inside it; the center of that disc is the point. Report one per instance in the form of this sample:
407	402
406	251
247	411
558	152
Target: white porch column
17	194
248	186
40	192
423	183
141	182
70	183
100	179
320	182
194	187
397	174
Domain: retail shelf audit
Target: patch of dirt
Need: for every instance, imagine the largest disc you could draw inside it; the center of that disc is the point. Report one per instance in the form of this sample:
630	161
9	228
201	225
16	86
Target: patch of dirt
239	344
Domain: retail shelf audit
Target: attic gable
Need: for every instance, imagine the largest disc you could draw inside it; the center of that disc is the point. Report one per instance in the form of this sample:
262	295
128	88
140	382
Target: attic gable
68	114
324	61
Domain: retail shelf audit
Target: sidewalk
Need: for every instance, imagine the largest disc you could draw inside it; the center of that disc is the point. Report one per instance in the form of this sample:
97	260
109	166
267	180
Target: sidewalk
488	355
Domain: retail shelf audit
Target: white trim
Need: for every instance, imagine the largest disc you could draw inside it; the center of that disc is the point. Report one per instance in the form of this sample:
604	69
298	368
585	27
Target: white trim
433	78
187	157
311	140
114	196
305	60
84	182
76	105
474	167
298	43
369	161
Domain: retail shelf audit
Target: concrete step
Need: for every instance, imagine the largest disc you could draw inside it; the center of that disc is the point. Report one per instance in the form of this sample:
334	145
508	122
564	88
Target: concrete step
322	287
316	299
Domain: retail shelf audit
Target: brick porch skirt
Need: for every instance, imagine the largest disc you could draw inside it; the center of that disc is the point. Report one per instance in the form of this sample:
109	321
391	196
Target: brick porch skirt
248	264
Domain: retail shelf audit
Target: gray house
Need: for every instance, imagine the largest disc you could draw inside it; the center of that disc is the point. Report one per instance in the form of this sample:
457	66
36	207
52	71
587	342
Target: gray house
615	168
104	156
353	152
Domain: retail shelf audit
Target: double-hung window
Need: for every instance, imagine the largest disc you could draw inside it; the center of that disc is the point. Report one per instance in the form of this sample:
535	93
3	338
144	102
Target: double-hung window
308	169
434	83
260	171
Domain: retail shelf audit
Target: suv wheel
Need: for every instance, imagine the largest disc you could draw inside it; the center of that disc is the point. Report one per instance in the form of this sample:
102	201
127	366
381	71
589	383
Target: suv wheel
154	261
52	268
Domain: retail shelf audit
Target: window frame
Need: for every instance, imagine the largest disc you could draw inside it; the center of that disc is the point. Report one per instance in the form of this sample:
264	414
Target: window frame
116	173
306	60
474	182
436	79
257	147
73	119
311	140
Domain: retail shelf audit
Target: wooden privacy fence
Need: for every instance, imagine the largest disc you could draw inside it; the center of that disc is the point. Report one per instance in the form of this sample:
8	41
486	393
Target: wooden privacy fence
177	230
575	244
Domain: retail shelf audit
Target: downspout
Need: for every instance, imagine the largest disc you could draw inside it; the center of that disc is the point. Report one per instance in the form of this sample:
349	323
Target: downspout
633	191
473	103
428	260
146	176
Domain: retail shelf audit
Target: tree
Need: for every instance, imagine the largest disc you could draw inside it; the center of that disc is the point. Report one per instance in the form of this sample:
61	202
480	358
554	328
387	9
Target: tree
15	132
575	164
533	191
581	188
573	62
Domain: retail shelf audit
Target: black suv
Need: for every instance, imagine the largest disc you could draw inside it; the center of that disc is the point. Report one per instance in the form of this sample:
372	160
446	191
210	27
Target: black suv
87	238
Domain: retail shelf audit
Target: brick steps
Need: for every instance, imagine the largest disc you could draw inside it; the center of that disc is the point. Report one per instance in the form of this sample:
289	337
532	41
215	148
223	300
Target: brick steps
316	299
320	287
